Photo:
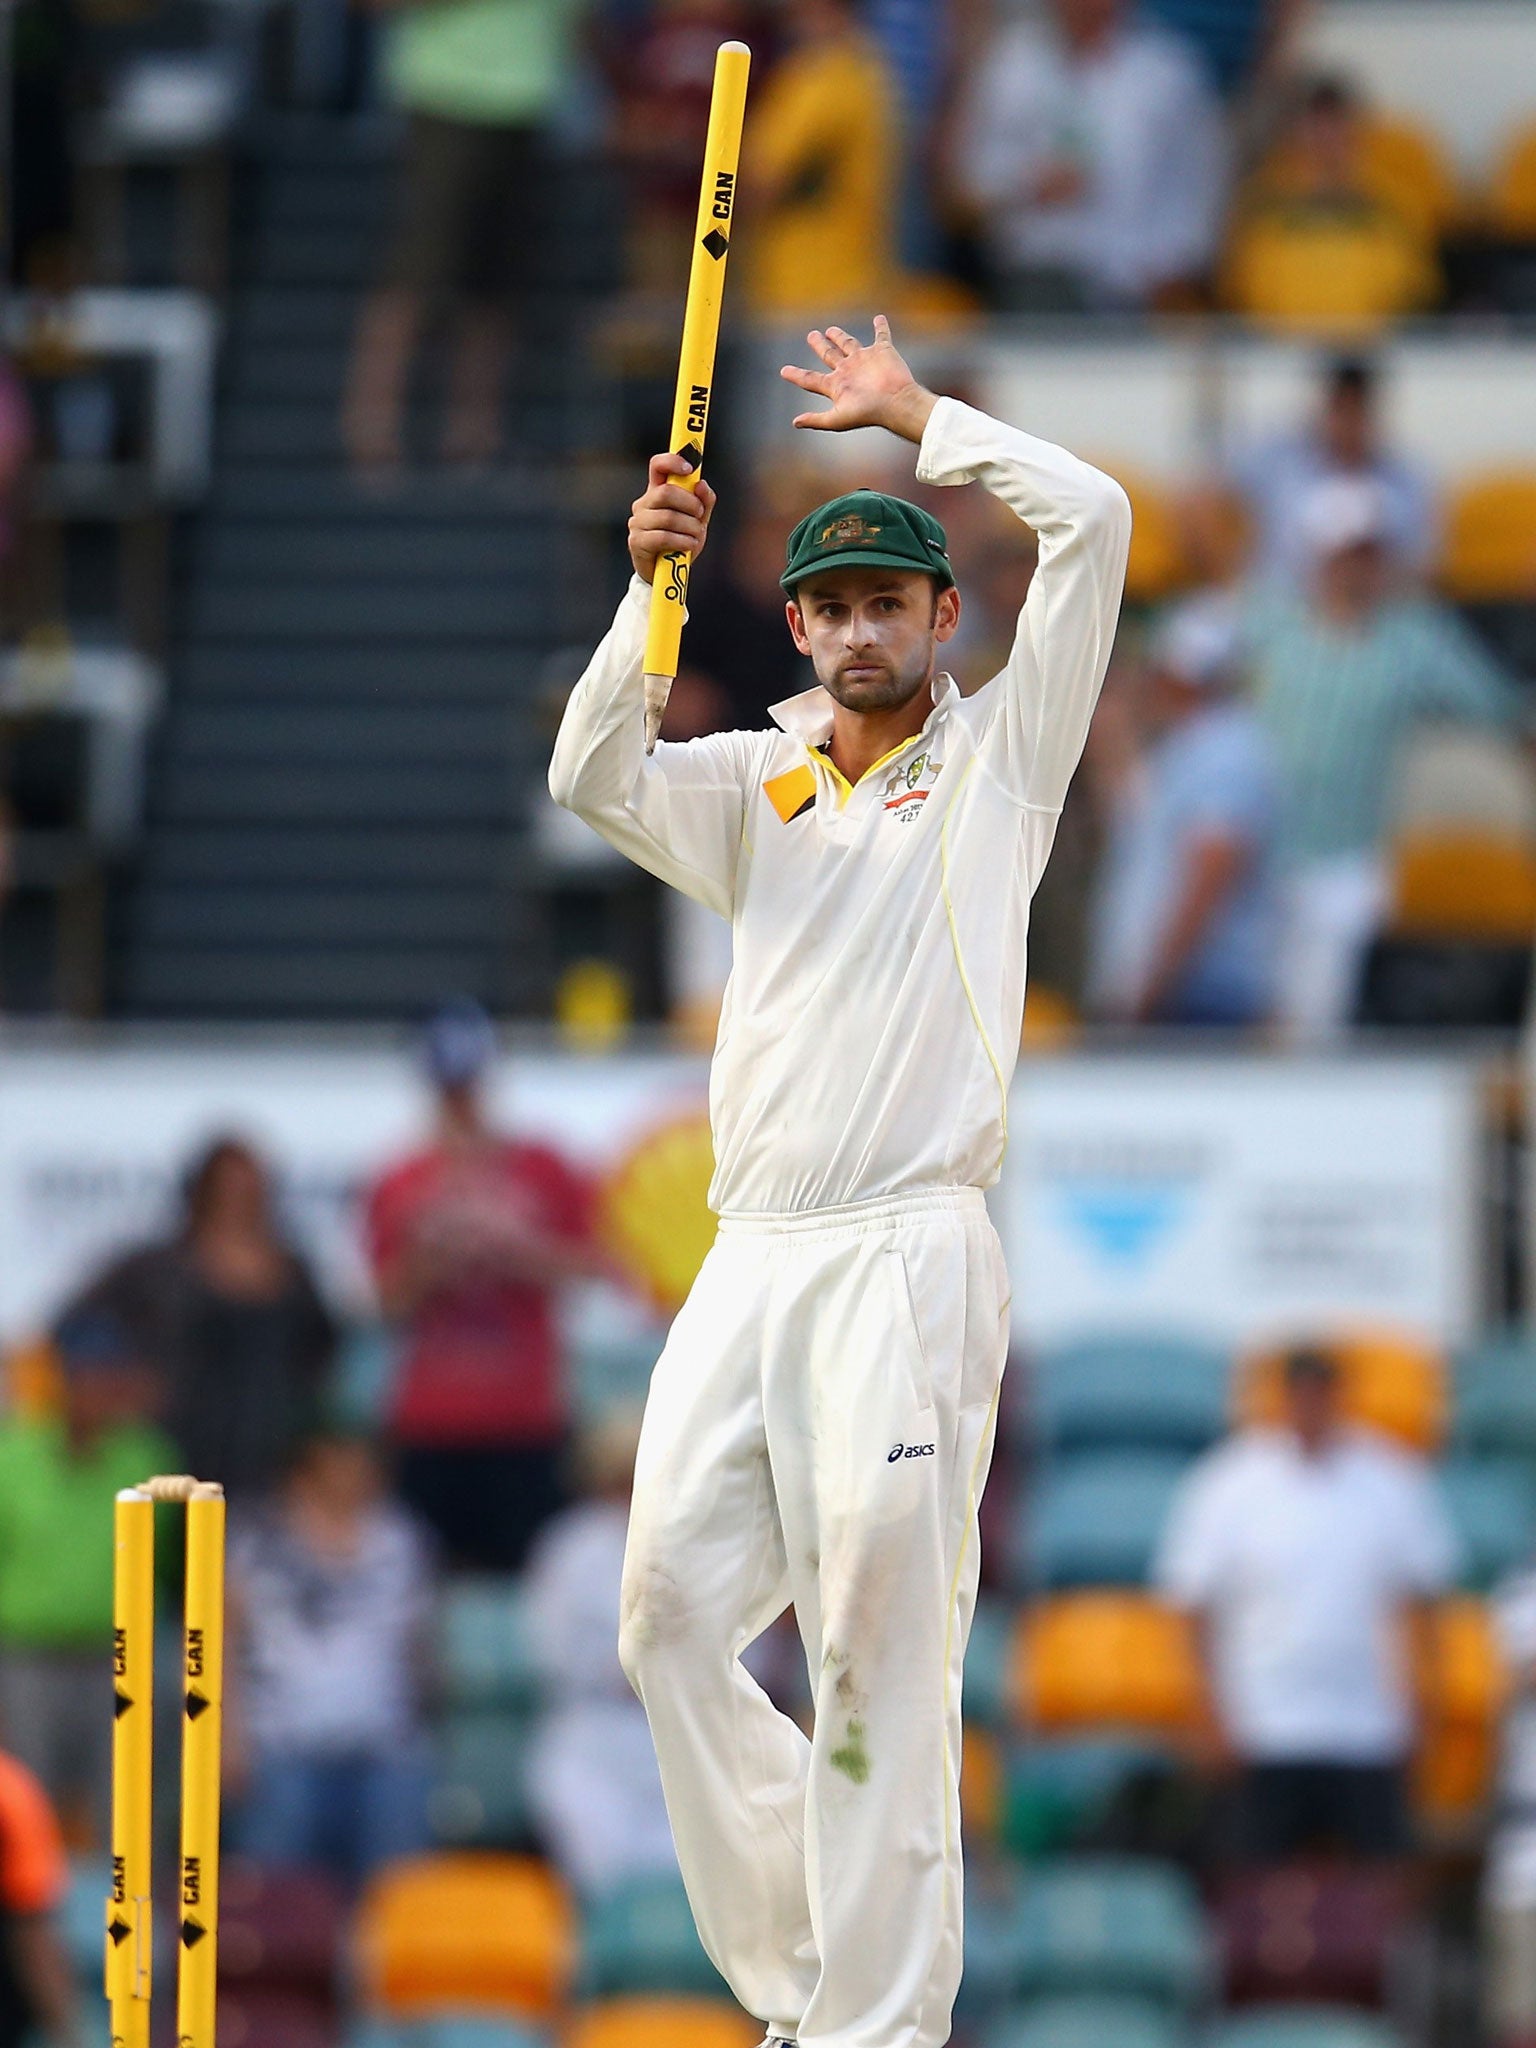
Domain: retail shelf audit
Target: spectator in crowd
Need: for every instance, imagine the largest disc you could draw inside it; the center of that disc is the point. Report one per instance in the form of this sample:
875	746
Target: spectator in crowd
1188	908
231	1315
471	1239
59	1471
1238	40
1342	674
39	2006
820	188
592	1777
1304	1554
1509	1894
330	1599
1093	151
660	69
480	81
1275	479
1319	243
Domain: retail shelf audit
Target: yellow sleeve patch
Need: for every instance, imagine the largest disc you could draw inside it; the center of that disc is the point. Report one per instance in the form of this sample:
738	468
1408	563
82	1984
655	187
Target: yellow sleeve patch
791	792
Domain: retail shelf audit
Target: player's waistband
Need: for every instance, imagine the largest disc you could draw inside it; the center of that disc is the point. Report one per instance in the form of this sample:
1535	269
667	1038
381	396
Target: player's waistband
878	1213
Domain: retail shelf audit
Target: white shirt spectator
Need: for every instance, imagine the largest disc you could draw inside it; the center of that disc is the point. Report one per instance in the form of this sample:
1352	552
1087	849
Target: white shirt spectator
332	1646
1138	117
593	1781
1302	1566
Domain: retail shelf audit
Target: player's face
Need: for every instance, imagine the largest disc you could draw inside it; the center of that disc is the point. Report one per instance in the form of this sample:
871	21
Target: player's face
872	634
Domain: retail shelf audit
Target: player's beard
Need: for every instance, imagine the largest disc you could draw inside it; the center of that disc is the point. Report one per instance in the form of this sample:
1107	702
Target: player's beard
893	687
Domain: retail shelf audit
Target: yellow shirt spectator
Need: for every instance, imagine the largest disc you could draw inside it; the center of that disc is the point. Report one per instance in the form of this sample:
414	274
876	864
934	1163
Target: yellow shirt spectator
1327	265
821	156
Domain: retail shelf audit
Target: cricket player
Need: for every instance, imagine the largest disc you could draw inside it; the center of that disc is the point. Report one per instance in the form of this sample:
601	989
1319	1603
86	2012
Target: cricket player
821	1421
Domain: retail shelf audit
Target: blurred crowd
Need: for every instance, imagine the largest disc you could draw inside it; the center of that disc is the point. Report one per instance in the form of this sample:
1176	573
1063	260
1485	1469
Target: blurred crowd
396	1579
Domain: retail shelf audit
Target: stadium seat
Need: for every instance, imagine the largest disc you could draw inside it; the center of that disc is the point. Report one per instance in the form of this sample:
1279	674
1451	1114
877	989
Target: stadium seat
1057	1792
487	1660
90	1881
481	1793
282	1929
1106	1660
1158	564
989	1663
1490	538
449	2030
1111	1924
982	1776
641	1937
1493	1505
1391	1382
1495	1396
660	2023
1086	2022
1093	1519
1512	195
1316	1932
1303	2026
1463	1685
1140	1392
464	1932
254	2016
1461	882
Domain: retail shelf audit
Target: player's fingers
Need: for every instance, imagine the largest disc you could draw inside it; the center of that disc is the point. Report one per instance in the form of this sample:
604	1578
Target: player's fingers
671	498
820	346
664	466
882	328
705	496
808	380
811	419
843	341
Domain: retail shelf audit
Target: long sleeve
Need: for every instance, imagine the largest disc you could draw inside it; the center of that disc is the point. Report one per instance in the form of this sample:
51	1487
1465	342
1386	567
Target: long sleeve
1046	694
678	813
1457	678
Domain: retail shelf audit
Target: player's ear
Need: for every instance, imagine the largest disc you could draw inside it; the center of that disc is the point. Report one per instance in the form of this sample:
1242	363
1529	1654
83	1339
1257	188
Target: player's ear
946	614
796	619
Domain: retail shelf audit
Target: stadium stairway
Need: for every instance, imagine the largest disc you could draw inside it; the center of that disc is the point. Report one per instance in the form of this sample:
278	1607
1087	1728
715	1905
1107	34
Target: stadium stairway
339	790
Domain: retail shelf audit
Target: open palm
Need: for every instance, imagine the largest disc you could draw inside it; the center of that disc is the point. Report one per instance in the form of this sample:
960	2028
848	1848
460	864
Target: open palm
864	382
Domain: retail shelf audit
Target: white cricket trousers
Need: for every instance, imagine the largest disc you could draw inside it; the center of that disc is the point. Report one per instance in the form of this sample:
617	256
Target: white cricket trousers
818	1431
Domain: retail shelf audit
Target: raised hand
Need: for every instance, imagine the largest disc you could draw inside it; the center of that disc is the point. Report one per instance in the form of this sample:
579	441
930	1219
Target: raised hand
868	384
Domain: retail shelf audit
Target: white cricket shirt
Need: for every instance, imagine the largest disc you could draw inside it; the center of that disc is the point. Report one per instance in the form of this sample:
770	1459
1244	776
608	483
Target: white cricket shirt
871	1022
1304	1566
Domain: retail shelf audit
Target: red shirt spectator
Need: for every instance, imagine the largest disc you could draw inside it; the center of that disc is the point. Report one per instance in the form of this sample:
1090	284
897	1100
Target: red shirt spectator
471	1238
482	1357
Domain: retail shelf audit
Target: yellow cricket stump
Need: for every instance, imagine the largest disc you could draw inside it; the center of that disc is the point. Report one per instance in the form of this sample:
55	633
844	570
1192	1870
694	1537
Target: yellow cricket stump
129	1973
696	361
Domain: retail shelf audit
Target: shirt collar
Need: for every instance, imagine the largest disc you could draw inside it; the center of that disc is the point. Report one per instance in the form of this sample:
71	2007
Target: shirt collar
809	716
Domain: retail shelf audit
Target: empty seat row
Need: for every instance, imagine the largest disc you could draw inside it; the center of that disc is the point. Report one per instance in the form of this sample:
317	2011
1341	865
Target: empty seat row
1095	1518
1174	1393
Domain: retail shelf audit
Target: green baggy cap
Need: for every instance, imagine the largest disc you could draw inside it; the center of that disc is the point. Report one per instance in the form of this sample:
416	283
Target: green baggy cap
868	530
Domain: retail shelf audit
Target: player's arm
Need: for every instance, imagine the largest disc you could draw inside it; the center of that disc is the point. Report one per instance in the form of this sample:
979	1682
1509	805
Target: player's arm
679	813
1082	519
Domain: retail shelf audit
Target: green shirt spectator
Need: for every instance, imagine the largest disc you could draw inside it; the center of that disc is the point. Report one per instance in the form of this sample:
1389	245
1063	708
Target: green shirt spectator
59	1474
498	61
56	1527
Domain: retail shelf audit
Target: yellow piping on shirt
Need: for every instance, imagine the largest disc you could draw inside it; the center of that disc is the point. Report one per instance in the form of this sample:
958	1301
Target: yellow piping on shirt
846	787
954	940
